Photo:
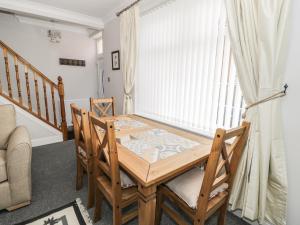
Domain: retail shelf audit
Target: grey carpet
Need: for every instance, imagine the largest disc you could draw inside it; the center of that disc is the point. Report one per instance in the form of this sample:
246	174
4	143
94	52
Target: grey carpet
53	185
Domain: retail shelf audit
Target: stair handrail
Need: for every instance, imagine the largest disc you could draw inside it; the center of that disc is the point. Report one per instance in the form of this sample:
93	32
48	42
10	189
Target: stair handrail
59	88
29	65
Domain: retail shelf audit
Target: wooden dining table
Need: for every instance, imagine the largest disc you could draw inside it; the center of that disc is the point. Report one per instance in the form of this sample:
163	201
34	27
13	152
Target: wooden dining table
153	153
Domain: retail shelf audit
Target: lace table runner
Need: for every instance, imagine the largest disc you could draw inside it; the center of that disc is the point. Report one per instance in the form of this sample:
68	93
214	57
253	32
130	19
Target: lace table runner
156	144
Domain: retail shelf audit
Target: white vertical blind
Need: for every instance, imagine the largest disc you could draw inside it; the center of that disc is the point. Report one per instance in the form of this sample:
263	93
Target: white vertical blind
186	74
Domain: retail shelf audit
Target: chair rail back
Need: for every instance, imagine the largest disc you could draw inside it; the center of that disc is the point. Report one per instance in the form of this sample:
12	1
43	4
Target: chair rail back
81	130
101	106
104	146
222	164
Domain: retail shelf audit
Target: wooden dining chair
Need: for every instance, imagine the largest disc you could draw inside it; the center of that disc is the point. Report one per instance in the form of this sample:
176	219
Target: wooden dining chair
103	106
201	192
111	182
84	153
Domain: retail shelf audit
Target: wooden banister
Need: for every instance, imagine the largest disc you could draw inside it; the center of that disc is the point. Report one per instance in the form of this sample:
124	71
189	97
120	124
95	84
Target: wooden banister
53	105
30	101
0	84
18	80
28	88
25	62
7	72
45	99
37	94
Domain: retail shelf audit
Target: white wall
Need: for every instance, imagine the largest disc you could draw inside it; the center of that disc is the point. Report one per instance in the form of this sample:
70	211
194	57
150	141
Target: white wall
291	103
111	39
291	116
32	43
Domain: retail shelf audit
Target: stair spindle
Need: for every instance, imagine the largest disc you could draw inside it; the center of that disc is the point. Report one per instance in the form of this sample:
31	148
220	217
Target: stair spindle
45	98
37	75
18	80
53	105
7	72
0	84
37	96
61	93
28	89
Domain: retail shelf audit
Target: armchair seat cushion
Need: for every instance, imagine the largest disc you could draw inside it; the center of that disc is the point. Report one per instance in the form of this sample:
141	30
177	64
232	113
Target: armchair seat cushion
188	185
3	172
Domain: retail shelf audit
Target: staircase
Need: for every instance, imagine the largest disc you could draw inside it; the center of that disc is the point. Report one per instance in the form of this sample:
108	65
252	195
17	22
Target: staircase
27	87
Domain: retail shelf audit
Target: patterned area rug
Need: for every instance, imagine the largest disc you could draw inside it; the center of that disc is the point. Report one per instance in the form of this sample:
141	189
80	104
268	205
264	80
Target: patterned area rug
73	213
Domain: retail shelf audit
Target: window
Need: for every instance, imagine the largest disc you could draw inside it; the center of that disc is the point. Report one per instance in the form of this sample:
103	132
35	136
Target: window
99	46
186	73
99	42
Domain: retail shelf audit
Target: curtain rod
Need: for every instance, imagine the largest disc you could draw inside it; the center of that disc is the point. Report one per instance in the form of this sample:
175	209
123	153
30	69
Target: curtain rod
128	7
161	3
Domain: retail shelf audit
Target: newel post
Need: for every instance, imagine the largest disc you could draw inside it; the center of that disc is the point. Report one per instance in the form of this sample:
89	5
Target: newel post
61	94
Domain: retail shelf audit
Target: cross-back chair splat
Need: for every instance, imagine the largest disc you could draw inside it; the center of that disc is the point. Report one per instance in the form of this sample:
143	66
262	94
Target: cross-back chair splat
101	106
217	180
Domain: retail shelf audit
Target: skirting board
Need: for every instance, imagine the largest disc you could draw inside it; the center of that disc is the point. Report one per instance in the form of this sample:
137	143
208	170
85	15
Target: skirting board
46	140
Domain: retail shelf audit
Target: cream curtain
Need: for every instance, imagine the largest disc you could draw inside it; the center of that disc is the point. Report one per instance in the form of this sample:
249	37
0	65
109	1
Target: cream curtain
258	37
129	38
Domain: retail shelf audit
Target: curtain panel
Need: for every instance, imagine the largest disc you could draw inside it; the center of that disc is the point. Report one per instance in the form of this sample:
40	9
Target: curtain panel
186	72
129	20
258	37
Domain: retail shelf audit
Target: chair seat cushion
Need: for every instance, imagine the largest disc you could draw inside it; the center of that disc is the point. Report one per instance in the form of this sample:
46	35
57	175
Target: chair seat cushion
188	185
126	181
3	173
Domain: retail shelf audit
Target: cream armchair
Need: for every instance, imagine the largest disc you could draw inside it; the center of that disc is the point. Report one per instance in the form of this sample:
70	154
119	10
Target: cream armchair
15	161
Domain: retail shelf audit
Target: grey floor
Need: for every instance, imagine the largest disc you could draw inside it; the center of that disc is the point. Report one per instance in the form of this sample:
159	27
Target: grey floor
53	185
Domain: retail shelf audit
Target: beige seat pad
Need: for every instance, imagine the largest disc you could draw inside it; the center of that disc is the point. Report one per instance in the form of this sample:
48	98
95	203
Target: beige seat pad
188	186
126	181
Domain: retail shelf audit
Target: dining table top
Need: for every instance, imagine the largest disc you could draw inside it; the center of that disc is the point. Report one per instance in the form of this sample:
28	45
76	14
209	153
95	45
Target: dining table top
153	152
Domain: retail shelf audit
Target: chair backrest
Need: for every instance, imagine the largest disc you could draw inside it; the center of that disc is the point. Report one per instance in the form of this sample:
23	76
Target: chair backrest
102	106
8	123
226	151
81	130
106	154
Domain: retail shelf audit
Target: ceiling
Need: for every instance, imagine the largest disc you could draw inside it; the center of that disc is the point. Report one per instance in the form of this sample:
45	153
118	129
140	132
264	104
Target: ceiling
91	14
95	8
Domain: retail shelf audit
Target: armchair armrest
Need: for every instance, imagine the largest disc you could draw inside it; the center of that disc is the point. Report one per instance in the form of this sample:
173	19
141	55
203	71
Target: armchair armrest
18	159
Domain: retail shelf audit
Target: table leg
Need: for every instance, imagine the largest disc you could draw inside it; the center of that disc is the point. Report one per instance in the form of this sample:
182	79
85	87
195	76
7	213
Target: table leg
147	205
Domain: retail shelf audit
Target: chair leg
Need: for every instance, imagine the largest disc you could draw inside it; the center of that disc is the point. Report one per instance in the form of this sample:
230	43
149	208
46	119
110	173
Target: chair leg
79	180
222	215
98	205
199	222
91	190
159	202
117	215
